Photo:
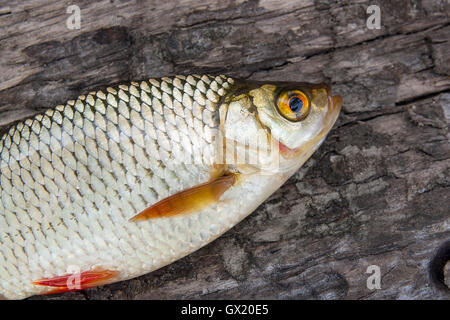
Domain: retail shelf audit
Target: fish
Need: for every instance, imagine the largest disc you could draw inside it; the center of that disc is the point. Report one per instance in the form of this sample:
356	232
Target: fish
124	180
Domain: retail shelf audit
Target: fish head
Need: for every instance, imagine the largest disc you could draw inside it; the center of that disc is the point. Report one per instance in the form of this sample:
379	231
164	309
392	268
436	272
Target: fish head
289	119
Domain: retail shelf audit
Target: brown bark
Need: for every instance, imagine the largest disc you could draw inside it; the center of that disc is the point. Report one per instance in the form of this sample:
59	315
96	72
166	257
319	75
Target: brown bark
376	192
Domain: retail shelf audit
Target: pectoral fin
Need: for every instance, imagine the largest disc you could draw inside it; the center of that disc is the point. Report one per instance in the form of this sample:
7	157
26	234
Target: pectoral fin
189	200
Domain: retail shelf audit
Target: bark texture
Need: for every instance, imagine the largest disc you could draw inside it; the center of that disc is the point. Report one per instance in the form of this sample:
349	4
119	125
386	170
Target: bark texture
376	193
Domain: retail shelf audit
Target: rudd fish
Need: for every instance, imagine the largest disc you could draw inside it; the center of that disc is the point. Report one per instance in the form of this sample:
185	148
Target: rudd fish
126	180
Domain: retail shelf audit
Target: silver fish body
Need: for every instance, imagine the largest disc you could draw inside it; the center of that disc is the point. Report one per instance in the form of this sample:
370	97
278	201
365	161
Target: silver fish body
72	177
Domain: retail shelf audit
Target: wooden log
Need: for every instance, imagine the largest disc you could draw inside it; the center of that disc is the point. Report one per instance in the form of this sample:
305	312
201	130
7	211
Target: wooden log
376	192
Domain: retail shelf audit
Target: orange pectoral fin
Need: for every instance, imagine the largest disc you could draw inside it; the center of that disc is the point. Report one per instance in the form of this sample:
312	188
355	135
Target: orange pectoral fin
190	200
77	281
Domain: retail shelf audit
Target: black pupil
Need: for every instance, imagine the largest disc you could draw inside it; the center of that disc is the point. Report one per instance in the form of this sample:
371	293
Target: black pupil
296	104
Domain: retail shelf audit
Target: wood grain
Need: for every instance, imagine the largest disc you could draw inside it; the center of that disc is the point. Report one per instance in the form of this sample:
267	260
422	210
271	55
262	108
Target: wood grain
377	191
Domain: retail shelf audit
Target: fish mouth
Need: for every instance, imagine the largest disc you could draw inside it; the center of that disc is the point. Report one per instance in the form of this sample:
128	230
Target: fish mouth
334	108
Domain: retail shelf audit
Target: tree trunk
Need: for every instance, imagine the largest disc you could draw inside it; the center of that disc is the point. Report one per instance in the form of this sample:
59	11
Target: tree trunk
375	193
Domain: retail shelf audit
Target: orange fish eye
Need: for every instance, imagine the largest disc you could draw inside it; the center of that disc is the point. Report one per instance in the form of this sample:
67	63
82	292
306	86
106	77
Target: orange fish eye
293	105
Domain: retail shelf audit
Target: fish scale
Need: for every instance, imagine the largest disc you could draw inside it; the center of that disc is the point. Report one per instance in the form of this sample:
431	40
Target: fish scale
72	177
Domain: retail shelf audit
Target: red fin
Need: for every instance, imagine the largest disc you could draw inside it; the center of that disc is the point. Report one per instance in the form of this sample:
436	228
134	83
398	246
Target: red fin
187	201
77	281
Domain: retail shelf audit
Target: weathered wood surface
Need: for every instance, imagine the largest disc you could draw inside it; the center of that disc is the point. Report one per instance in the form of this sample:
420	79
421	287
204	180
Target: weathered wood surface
376	193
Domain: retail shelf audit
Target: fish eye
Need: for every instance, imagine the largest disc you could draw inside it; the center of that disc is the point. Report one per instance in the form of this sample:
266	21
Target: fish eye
293	105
